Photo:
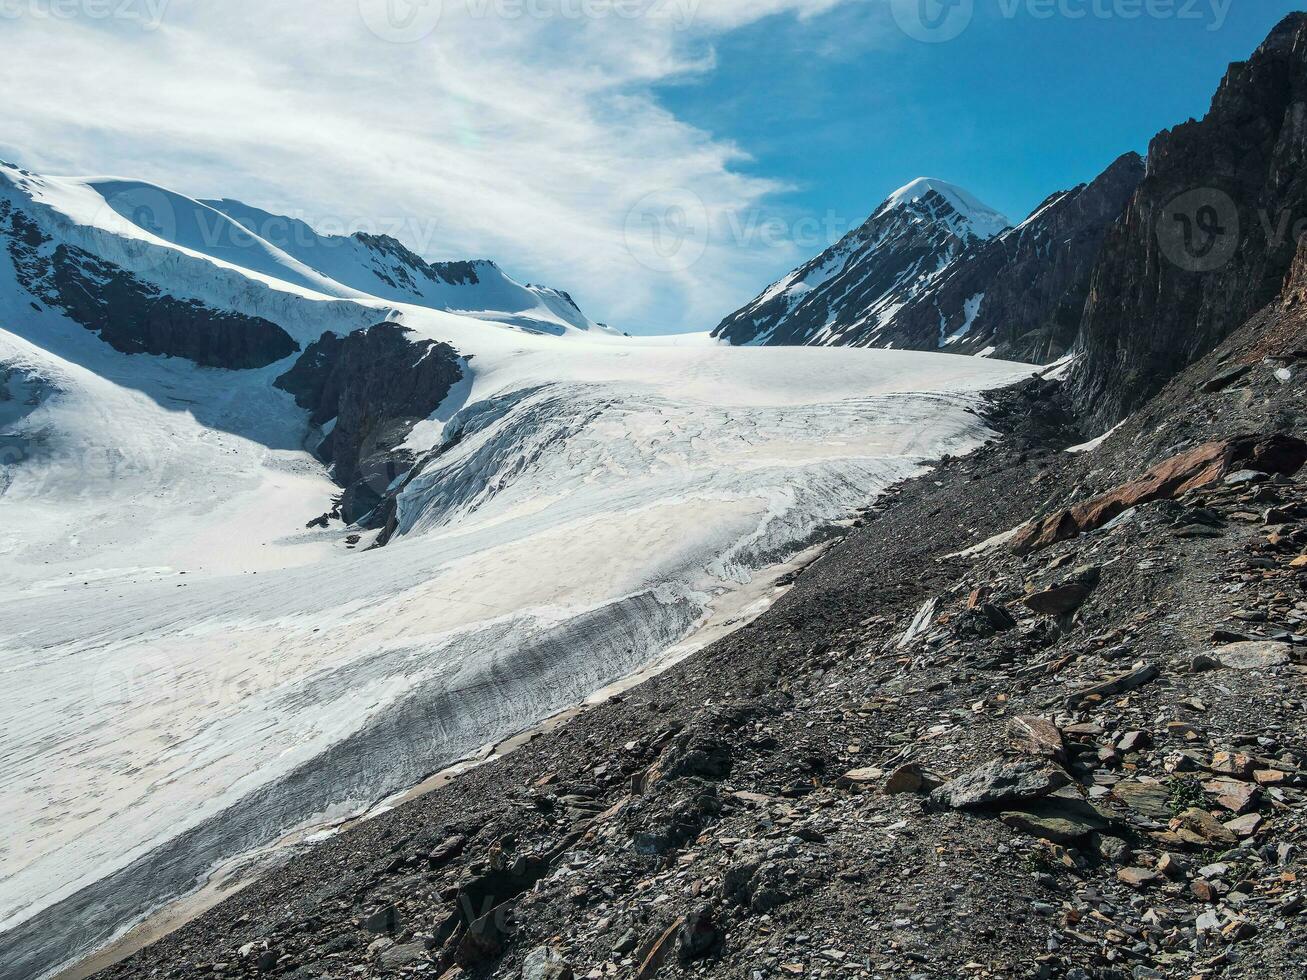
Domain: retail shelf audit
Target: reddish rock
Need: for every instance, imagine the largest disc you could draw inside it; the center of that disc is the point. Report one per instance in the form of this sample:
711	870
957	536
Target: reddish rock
1199	467
1233	794
1137	877
1235	764
656	952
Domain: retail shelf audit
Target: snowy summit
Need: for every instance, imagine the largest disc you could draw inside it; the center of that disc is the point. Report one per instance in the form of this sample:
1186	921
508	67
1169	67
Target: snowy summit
967	213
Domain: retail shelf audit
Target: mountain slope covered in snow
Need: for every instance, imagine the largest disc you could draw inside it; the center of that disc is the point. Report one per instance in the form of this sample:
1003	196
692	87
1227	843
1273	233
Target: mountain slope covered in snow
200	445
379	265
850	294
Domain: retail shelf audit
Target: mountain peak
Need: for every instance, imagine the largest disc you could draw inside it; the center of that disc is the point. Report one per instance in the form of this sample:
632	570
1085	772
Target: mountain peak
982	220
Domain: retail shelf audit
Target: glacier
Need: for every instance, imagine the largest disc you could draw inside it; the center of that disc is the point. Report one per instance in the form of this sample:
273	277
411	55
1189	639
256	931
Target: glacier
193	673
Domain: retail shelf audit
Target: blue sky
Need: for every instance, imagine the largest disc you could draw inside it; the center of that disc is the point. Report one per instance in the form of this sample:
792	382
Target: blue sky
571	140
1012	109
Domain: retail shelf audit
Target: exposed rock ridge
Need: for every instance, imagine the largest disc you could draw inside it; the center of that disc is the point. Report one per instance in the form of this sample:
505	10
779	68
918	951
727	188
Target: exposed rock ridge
406	263
133	316
375	385
1021	296
1194	469
848	295
914	276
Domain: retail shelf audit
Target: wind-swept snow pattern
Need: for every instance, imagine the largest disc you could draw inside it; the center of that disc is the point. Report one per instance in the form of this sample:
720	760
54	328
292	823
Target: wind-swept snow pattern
191	672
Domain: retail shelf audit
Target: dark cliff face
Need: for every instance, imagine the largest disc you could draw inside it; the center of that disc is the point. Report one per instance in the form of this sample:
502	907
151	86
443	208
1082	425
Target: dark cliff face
137	318
1209	236
1021	296
377	384
131	315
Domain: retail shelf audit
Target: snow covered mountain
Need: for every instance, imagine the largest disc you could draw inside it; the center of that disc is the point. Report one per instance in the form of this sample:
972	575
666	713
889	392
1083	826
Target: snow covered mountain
933	269
850	294
202	439
146	248
381	266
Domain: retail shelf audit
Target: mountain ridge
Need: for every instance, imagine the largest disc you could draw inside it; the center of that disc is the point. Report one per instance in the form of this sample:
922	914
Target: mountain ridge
998	290
1032	279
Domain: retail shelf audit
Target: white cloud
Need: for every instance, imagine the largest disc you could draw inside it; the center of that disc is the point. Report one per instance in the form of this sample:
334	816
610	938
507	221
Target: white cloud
522	130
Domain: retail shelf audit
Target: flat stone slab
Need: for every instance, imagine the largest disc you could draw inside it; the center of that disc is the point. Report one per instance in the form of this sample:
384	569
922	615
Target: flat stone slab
1150	799
998	783
1056	818
1255	655
862	777
1059	600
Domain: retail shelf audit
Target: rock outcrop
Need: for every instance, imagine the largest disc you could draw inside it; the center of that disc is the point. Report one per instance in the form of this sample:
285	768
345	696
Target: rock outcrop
1200	467
376	384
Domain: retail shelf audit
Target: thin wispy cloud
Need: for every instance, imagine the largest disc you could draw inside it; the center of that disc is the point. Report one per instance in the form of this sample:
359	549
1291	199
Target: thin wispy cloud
521	130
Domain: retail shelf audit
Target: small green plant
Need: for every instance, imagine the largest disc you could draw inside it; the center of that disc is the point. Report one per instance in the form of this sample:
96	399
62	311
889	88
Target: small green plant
1185	792
1037	861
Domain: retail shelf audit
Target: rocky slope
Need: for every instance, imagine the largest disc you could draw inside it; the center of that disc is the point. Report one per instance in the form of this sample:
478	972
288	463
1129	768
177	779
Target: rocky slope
849	294
1207	239
937	756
